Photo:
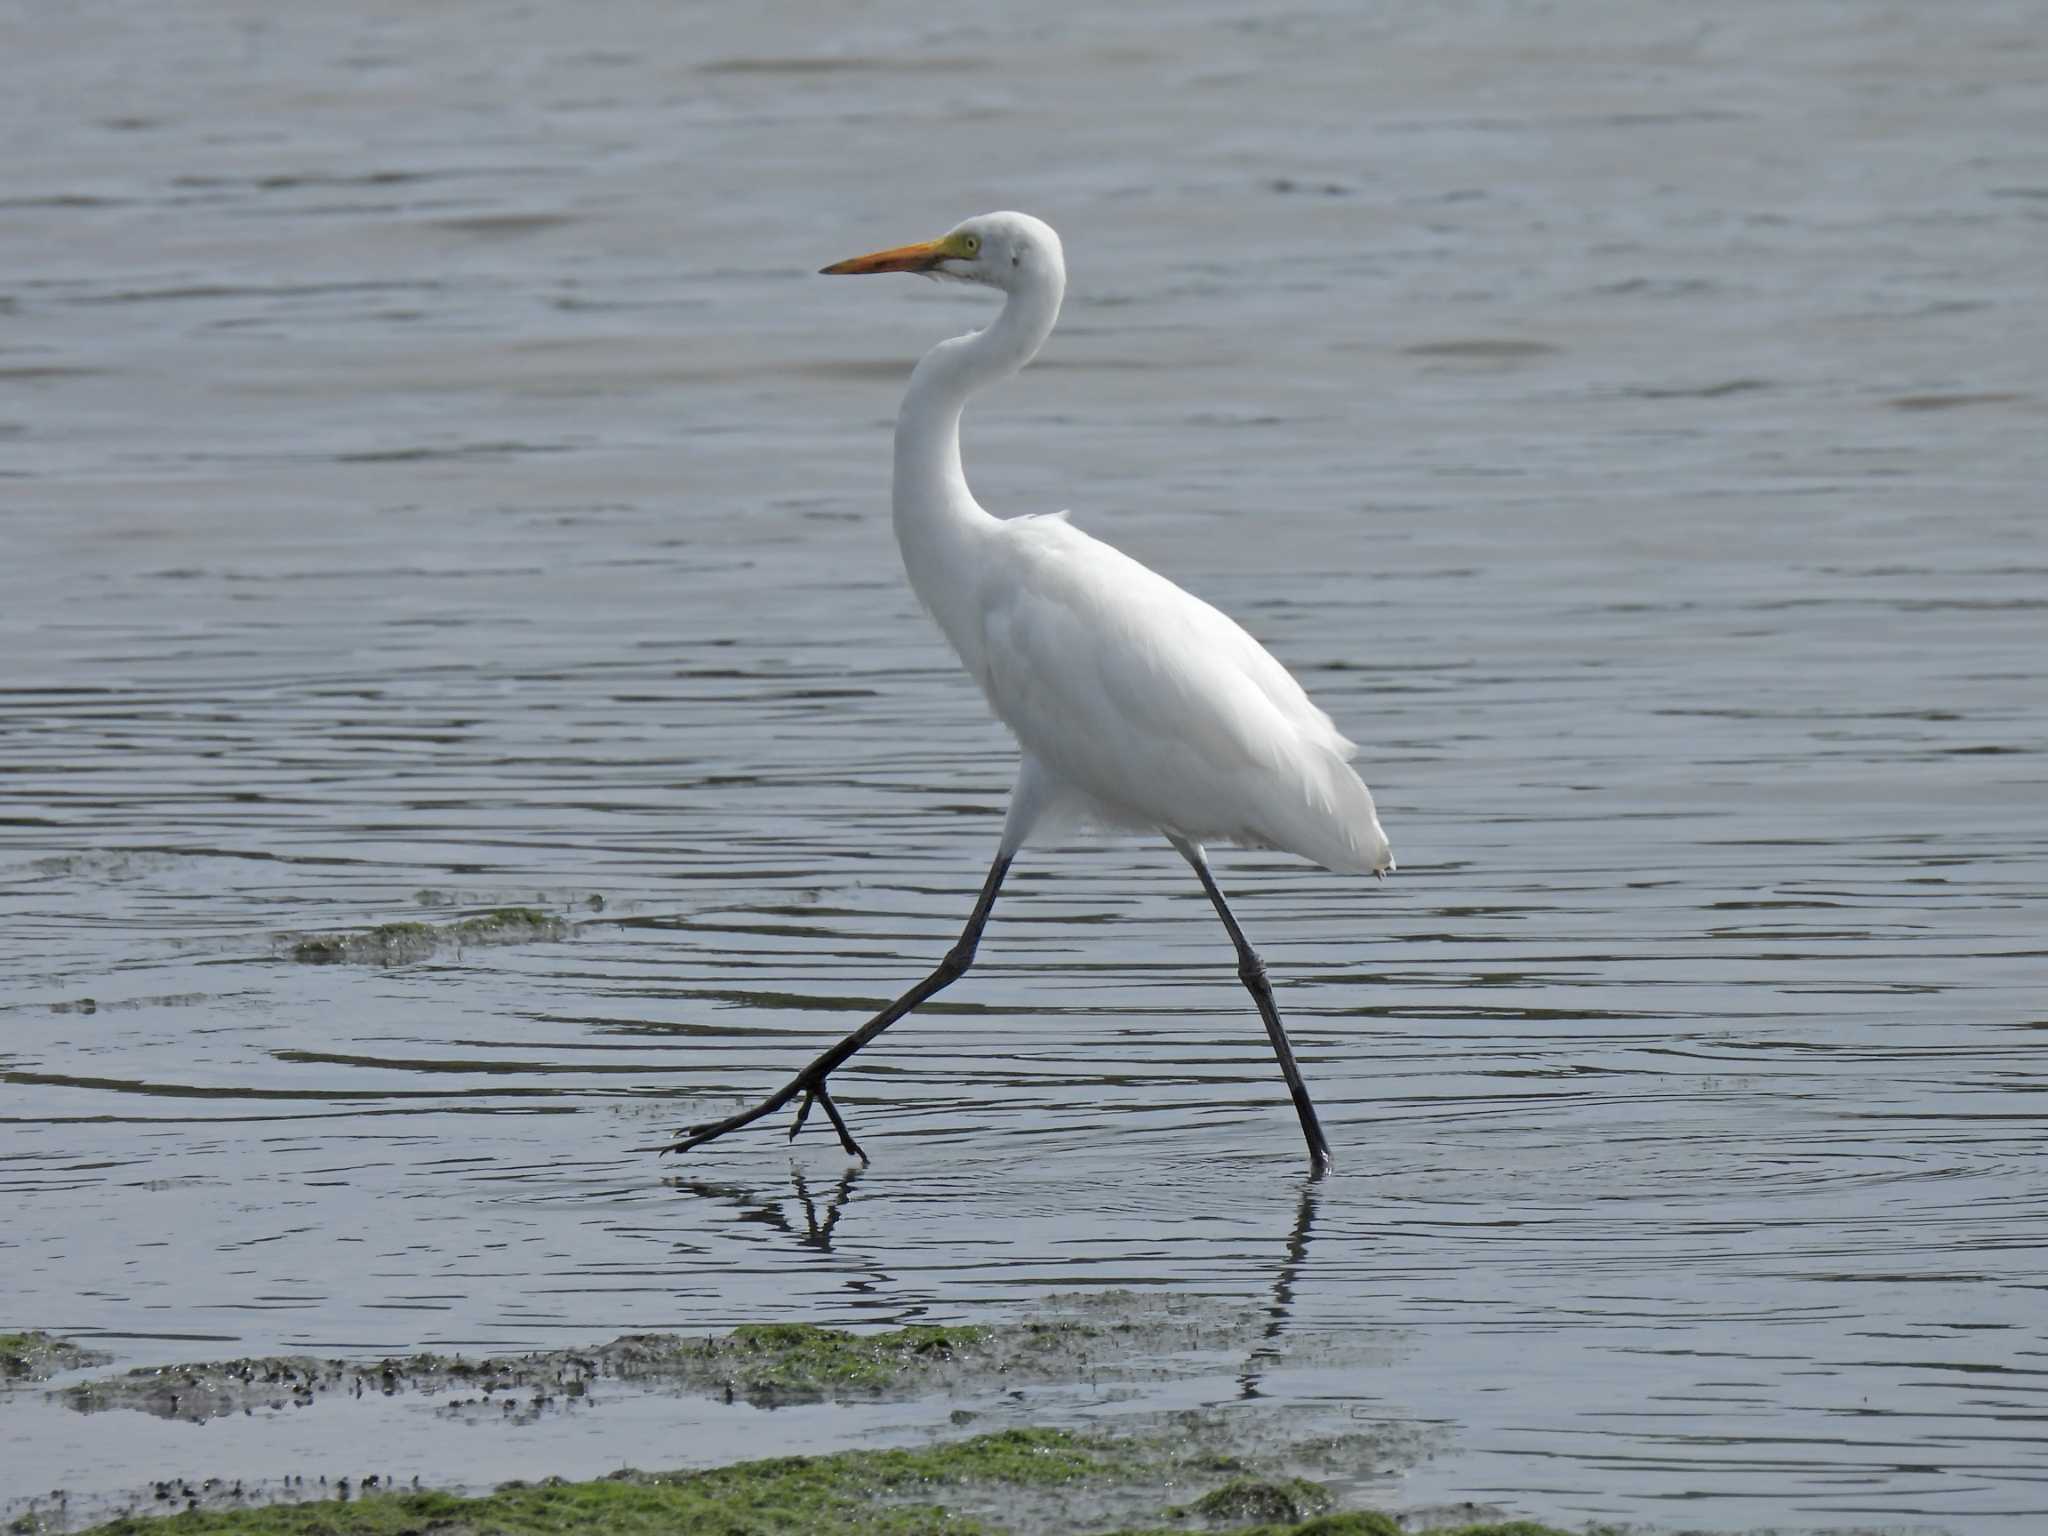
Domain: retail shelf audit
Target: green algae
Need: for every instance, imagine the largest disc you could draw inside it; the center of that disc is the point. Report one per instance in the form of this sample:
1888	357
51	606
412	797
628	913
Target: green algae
860	1493
1187	1473
16	1350
946	1490
34	1355
400	943
1255	1500
1184	1475
765	1364
800	1359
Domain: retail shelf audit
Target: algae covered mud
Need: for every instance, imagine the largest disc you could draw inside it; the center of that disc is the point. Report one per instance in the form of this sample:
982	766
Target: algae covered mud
34	1355
979	1487
1005	1484
461	718
1175	1469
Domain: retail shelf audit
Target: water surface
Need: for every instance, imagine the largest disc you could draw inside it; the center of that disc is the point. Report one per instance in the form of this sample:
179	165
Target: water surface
432	480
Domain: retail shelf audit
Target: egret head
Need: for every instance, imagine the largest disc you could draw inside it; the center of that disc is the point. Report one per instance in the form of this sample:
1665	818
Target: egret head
997	250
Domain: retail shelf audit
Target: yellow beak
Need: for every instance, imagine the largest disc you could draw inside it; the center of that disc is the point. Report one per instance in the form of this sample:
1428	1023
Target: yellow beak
921	257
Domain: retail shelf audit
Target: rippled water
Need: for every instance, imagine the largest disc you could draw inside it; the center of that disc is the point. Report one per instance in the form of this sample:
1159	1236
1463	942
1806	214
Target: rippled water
431	480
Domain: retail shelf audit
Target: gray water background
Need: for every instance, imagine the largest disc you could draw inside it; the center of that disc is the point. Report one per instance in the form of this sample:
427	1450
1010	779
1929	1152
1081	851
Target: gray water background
430	477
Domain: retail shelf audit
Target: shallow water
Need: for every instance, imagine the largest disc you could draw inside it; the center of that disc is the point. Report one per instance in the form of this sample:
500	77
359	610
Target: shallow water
431	480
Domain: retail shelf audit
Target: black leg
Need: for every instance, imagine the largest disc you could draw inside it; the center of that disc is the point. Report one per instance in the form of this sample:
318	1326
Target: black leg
811	1081
1252	971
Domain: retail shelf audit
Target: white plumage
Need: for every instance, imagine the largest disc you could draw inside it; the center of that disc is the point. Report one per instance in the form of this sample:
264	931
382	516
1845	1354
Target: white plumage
1142	705
1147	707
1136	703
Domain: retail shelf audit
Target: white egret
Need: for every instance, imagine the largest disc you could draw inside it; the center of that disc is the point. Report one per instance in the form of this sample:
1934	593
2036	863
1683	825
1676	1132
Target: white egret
1136	704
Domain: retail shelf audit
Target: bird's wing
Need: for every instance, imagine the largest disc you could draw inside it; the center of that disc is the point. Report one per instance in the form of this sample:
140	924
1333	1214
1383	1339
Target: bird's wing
1160	632
1157	704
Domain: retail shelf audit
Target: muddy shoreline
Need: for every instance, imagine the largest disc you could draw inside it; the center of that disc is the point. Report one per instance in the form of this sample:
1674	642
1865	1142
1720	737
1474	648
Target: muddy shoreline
1220	1467
1114	1338
1191	1469
1011	1481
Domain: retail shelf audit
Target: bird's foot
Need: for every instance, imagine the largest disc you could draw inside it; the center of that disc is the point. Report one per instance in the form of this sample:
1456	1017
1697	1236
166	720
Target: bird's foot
815	1094
813	1091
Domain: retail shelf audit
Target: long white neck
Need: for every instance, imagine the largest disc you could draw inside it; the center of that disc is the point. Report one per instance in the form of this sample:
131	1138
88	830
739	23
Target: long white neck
939	524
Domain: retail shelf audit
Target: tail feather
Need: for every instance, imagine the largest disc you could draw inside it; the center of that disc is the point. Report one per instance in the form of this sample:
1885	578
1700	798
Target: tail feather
1327	816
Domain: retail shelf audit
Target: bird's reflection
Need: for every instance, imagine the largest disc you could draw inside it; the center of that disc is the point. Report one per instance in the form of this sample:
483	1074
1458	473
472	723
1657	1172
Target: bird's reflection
1280	1310
822	1205
820	1234
770	1211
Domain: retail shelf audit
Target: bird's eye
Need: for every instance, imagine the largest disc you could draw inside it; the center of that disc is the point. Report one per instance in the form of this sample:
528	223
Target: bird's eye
973	244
